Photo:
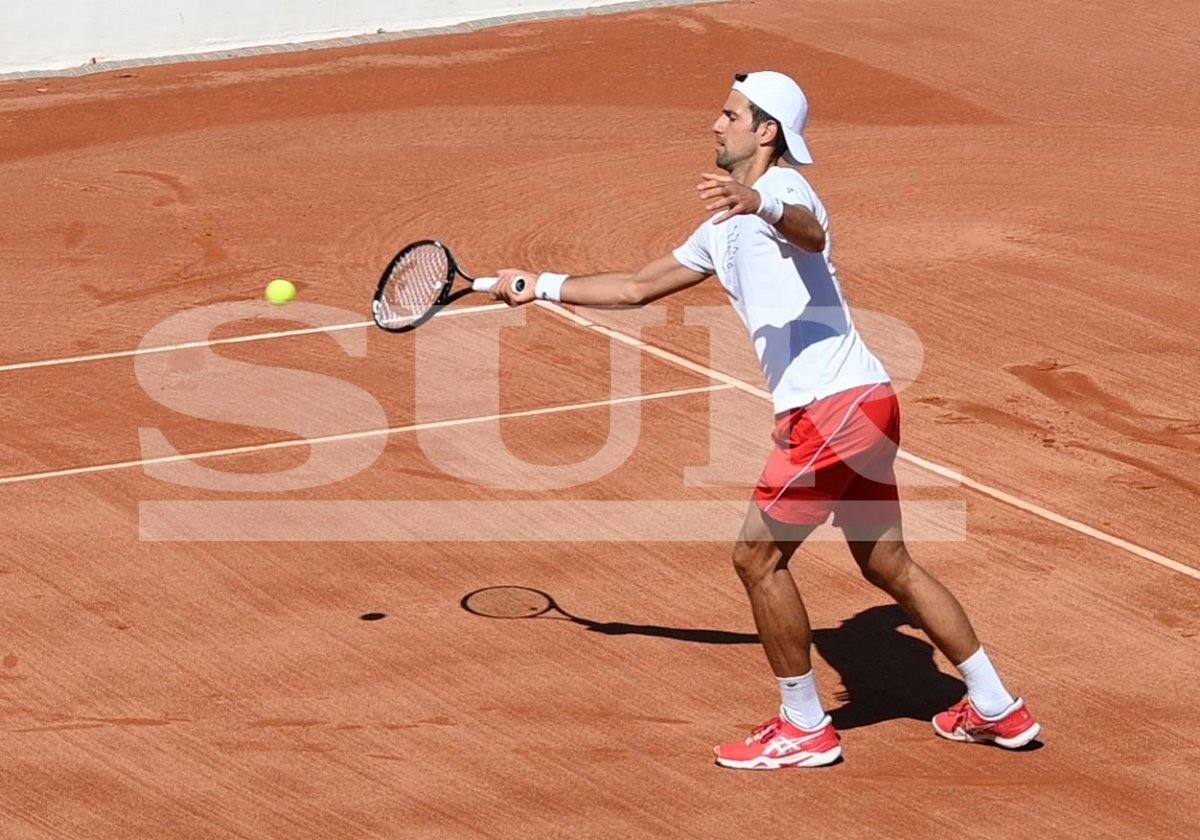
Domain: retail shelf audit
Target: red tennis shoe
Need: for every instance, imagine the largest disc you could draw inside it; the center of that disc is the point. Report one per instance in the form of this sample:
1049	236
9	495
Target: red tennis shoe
962	722
780	743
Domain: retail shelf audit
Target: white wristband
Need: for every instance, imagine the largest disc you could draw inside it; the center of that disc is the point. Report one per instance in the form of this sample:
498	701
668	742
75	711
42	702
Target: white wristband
549	286
770	208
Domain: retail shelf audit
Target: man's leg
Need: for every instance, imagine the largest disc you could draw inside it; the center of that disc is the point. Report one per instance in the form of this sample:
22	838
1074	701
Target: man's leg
760	556
802	736
992	714
884	561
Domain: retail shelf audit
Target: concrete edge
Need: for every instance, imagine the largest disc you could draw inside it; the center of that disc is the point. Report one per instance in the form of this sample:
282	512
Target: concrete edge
355	40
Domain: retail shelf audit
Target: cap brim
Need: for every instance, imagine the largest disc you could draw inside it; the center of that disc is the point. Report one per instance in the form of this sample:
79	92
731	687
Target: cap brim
797	149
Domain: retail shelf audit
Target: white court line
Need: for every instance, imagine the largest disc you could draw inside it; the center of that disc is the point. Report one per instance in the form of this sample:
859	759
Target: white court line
946	472
241	339
414	427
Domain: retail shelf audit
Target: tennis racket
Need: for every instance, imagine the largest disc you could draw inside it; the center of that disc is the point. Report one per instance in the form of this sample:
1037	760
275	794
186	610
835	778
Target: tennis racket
416	284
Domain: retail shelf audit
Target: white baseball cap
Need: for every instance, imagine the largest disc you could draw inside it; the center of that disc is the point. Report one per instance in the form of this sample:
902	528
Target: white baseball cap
783	99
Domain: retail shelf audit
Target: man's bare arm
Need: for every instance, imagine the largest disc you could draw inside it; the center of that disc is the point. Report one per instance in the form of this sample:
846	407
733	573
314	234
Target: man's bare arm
798	225
656	280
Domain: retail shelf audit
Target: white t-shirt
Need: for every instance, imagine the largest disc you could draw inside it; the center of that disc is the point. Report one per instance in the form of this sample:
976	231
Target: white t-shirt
789	299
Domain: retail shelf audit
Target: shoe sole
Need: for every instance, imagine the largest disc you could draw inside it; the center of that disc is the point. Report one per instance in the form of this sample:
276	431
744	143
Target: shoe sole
1014	743
803	759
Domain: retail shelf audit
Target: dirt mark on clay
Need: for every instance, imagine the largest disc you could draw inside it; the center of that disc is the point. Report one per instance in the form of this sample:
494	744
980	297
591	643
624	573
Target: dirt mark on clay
1079	393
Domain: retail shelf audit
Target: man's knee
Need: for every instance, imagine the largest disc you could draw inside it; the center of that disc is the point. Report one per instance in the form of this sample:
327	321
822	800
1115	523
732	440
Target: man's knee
755	560
889	568
765	546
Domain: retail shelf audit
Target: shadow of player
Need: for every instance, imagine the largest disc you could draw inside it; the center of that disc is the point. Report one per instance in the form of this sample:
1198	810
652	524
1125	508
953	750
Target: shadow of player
885	674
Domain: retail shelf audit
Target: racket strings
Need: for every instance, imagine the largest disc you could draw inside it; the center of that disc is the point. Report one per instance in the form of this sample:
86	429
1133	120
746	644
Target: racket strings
414	285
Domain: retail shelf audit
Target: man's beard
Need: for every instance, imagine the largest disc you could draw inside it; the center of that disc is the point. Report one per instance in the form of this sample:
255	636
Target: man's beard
725	160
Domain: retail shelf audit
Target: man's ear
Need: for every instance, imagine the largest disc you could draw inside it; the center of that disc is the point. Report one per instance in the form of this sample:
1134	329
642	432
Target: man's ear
768	130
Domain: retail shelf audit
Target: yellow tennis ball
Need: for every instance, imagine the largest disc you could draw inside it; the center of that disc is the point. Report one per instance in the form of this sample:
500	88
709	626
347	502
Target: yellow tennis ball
280	291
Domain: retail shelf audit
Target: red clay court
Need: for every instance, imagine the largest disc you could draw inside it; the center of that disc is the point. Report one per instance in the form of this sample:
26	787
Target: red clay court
1009	186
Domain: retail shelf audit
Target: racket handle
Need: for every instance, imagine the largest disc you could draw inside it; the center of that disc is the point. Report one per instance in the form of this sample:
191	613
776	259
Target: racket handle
486	284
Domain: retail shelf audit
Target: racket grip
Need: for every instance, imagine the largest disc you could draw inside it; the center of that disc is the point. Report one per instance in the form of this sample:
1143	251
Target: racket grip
486	284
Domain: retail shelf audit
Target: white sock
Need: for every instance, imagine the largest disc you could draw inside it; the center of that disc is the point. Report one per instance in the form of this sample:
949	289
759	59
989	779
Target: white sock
988	695
801	705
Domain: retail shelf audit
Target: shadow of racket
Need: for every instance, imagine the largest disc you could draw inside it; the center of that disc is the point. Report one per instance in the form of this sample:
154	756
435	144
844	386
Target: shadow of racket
509	602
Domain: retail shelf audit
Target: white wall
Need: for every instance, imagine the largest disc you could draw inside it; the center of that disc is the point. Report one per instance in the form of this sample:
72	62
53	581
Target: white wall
57	34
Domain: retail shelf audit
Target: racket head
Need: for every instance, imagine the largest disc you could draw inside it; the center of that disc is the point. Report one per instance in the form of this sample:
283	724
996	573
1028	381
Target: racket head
415	284
509	602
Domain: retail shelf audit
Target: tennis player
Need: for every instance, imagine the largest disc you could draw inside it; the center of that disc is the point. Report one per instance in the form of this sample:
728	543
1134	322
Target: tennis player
837	422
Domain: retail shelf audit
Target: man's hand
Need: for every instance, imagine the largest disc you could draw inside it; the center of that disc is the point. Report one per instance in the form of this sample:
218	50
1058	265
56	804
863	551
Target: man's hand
721	192
503	290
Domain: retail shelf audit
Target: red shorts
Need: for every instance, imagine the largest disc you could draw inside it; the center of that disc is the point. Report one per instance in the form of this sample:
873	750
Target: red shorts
836	455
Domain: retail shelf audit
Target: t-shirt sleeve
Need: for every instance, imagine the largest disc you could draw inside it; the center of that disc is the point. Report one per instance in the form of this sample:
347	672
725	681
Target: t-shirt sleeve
695	253
791	188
